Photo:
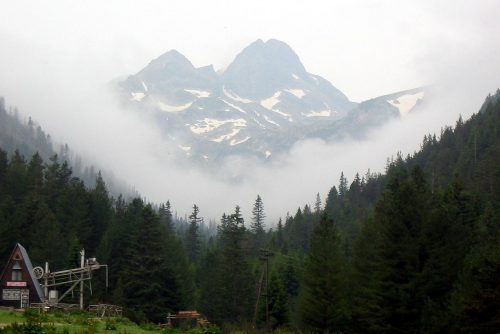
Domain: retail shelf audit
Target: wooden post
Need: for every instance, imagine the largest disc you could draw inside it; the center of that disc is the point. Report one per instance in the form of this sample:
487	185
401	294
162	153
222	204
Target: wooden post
82	264
46	282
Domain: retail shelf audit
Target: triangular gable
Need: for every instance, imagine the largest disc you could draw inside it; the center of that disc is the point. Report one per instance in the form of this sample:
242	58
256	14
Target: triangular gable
20	254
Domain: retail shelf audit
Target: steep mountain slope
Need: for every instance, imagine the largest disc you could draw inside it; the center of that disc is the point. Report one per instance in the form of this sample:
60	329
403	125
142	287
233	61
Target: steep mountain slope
25	136
262	104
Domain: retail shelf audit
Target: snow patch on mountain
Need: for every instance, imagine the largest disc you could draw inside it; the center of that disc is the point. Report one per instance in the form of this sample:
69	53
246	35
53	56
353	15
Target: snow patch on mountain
169	108
406	102
210	124
297	92
198	93
322	113
265	94
235	142
137	96
230	135
281	113
234	97
271	121
259	123
234	106
270	102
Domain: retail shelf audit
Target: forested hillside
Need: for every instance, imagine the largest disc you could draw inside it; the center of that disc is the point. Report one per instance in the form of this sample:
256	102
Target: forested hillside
415	250
21	133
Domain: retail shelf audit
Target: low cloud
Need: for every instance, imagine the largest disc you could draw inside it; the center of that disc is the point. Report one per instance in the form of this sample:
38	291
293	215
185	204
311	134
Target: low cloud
66	92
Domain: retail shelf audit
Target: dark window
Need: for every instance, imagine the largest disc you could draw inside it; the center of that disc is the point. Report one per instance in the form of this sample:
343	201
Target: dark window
17	273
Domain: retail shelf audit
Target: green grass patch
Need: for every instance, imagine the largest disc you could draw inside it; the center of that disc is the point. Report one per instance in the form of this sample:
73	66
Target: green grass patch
32	322
56	322
8	317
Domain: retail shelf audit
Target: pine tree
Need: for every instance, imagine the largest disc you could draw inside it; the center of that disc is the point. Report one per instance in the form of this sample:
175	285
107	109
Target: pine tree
99	214
257	226
367	312
192	235
317	205
278	303
321	302
235	268
342	185
165	213
401	214
4	162
279	235
149	285
35	174
16	177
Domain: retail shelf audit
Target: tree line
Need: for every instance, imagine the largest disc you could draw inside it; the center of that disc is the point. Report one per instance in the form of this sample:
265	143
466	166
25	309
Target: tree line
413	250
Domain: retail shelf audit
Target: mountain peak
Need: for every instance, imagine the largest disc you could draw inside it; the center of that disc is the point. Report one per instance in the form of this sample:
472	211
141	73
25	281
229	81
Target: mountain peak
272	51
169	60
262	67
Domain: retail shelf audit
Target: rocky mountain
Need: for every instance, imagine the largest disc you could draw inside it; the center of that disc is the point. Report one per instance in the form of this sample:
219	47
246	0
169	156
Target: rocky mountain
260	105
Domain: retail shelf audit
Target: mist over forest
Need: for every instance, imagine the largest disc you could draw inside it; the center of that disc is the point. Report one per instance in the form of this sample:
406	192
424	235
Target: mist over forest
353	146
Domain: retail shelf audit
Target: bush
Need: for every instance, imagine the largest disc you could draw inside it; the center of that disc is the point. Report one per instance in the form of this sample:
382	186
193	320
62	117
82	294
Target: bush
110	325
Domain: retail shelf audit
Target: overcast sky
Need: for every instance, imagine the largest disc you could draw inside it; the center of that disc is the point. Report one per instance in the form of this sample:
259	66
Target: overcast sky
55	57
365	48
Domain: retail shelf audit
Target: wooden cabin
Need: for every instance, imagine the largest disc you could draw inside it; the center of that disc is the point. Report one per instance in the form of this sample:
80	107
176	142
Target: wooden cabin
19	287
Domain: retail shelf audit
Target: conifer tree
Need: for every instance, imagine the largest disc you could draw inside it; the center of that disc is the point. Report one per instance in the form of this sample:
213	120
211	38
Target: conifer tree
149	284
342	185
278	303
317	205
99	214
165	213
321	303
235	268
35	174
401	215
258	225
279	234
3	169
192	234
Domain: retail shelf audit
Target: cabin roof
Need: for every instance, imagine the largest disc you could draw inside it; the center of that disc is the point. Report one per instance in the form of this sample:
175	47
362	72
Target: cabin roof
29	267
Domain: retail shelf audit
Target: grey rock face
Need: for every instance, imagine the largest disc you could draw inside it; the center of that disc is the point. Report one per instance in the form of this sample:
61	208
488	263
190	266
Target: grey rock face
261	105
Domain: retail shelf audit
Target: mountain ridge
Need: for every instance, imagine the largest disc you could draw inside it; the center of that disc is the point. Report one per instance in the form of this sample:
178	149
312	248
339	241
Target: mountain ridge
262	103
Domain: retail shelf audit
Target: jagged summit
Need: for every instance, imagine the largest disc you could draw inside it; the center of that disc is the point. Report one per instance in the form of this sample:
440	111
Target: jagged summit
171	56
263	68
261	105
273	55
171	60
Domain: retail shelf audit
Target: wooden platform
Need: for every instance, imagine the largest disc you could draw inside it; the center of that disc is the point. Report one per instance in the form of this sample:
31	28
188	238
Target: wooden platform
173	320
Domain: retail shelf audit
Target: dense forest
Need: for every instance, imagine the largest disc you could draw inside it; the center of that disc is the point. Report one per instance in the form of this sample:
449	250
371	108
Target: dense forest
413	250
23	134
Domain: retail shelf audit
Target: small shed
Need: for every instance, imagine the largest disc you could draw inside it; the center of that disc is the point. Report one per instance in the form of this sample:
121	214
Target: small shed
18	285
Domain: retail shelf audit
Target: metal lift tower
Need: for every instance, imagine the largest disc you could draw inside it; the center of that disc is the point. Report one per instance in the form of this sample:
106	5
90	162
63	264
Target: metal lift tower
71	277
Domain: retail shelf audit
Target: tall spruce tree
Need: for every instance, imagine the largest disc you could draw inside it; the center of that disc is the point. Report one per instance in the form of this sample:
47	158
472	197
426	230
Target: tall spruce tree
321	303
235	268
257	226
192	234
149	285
258	215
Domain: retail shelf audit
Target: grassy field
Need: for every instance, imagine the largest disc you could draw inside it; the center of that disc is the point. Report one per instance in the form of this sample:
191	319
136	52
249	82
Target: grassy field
12	322
32	322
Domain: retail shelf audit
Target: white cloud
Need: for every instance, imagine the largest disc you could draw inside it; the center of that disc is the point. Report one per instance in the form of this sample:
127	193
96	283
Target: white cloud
57	57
